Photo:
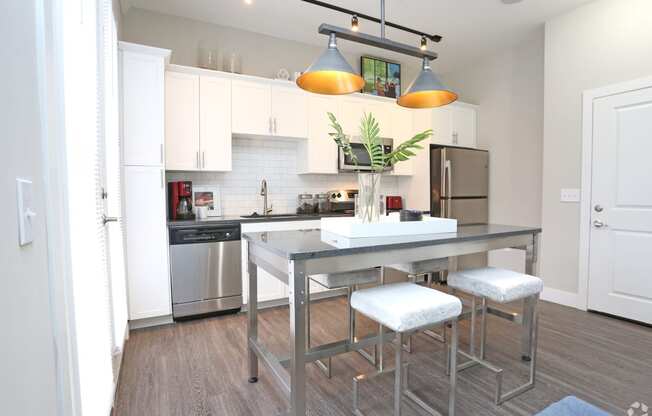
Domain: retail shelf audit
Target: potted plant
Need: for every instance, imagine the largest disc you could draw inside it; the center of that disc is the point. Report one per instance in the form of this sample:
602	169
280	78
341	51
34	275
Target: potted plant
369	182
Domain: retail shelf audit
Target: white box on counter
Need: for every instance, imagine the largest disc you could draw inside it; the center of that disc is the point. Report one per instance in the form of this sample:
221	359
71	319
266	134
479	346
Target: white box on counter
388	226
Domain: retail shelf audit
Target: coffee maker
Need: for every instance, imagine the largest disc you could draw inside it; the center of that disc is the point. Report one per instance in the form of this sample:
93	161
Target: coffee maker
180	200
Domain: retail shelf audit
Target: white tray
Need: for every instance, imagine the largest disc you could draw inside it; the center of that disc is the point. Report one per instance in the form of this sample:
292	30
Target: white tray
390	225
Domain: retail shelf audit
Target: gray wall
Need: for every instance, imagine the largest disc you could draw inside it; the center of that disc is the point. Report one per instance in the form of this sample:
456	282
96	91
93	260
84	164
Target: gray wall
602	43
261	55
508	87
27	366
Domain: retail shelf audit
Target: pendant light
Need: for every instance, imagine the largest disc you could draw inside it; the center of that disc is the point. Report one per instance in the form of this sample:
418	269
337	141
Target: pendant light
427	91
330	74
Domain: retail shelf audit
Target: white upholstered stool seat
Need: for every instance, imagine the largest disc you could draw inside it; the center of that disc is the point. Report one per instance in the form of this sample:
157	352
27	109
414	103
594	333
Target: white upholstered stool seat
499	285
404	307
421	267
344	279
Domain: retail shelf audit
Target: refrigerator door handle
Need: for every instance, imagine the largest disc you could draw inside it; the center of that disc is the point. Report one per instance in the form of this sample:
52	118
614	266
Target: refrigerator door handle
448	168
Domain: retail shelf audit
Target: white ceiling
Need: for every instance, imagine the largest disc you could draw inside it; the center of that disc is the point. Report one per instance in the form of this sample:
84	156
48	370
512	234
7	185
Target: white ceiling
472	29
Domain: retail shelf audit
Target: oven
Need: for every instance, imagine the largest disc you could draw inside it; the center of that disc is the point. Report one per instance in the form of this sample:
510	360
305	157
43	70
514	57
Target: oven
346	164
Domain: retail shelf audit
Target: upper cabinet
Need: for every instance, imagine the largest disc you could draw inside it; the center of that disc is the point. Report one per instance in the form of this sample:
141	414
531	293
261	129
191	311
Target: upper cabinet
318	154
263	109
455	124
402	129
251	108
142	73
354	107
197	122
182	121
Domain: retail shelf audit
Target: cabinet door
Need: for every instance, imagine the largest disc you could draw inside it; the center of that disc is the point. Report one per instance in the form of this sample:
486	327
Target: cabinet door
215	123
148	273
442	125
464	121
251	108
181	121
403	129
318	154
351	111
289	112
382	112
142	109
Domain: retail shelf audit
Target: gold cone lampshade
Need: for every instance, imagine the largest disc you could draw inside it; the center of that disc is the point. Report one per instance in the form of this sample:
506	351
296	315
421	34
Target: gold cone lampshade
427	91
330	74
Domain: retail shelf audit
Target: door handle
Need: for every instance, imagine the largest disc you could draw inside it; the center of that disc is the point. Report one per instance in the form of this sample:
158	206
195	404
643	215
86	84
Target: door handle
106	219
599	224
598	208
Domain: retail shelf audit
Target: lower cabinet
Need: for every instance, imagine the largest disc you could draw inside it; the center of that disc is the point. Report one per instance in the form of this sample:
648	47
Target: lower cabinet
148	273
269	287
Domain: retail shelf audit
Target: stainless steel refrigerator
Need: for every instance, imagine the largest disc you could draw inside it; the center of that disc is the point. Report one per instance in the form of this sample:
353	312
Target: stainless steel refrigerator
459	188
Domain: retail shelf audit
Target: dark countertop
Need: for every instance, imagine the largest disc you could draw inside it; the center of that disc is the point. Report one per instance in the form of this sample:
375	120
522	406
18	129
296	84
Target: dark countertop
235	219
304	244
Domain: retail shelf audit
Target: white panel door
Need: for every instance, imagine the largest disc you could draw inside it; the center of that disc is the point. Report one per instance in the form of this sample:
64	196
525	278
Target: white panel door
181	121
464	126
215	123
403	130
251	108
142	109
289	112
148	273
319	153
620	268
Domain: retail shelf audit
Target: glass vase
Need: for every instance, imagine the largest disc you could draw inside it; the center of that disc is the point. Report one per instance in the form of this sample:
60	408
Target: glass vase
368	197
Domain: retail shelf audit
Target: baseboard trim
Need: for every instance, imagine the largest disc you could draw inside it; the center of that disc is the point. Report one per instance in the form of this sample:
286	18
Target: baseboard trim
148	322
560	297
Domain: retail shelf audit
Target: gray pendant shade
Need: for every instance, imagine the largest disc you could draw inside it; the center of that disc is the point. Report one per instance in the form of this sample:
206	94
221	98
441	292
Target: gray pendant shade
331	74
427	91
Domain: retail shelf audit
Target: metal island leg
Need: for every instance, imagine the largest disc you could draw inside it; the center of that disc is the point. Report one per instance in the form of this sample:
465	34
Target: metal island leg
529	303
252	320
297	299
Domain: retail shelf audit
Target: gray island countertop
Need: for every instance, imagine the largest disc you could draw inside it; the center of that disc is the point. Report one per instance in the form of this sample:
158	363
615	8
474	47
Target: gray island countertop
305	244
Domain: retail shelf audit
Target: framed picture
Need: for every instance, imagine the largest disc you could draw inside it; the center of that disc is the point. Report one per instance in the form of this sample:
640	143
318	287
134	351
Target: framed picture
209	197
381	77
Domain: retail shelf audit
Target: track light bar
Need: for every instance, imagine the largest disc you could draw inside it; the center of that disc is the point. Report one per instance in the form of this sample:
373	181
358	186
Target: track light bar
434	38
378	42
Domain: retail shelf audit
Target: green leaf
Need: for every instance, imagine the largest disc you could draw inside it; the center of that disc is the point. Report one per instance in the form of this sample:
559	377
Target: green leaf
406	149
341	139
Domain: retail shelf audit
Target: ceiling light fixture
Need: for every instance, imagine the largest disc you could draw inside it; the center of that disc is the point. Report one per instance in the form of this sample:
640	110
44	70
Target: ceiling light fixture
354	23
331	74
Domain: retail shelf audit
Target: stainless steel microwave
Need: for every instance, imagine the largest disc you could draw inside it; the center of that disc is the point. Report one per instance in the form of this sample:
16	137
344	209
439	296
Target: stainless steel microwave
346	164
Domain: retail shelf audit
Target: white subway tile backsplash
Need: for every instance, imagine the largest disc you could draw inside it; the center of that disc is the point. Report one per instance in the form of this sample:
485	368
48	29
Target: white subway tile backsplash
274	160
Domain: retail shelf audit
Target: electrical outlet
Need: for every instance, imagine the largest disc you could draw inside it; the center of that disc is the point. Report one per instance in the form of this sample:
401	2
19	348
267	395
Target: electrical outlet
570	195
26	212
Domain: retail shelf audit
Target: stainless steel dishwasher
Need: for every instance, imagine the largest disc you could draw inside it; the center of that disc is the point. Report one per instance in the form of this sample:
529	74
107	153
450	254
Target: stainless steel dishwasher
205	265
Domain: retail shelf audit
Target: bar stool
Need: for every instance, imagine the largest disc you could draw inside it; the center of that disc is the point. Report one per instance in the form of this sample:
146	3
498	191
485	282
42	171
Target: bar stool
350	281
502	286
417	268
405	308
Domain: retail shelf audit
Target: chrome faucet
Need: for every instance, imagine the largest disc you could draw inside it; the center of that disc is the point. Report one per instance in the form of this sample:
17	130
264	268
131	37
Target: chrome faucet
264	193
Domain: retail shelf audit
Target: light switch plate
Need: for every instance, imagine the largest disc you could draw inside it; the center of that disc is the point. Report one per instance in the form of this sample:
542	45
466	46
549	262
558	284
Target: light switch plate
26	212
570	195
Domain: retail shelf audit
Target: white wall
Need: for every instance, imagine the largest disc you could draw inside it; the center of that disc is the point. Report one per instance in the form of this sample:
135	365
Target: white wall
508	87
261	55
602	43
276	161
27	363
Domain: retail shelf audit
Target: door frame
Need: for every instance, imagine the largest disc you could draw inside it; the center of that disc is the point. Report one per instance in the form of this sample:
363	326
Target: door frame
588	97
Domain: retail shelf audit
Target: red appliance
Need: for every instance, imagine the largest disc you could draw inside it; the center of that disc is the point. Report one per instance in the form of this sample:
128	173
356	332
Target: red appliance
394	203
180	200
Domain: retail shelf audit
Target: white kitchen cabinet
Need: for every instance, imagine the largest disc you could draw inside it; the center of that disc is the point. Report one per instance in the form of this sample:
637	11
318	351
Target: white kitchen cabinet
142	90
289	111
251	108
318	154
197	122
269	287
182	121
146	236
455	125
215	123
402	127
353	108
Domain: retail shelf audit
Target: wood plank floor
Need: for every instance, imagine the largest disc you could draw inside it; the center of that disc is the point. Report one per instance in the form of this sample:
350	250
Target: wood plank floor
199	367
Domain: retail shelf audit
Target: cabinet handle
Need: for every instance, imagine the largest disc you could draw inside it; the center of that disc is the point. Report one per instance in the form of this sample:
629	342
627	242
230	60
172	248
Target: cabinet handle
203	160
197	160
161	153
162	179
455	140
270	125
275	130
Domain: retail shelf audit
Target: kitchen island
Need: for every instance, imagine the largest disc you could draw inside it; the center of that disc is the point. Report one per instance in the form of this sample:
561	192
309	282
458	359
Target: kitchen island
292	256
